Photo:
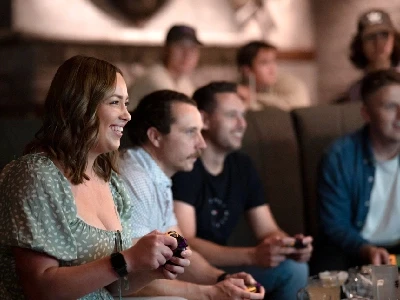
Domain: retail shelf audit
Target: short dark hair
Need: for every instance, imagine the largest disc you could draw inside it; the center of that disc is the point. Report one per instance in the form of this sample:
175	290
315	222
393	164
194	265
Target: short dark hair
205	95
154	110
247	53
360	61
373	81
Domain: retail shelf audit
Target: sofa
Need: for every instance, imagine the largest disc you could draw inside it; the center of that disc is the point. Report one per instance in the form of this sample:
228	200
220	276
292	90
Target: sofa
285	147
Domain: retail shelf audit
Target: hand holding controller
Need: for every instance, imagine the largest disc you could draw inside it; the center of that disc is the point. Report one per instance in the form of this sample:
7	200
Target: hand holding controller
301	247
299	243
182	244
253	288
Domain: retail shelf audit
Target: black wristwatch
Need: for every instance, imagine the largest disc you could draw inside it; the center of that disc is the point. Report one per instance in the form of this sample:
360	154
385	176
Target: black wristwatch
118	264
222	277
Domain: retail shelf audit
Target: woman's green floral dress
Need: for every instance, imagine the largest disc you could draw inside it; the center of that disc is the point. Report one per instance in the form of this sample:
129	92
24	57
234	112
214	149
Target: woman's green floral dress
38	212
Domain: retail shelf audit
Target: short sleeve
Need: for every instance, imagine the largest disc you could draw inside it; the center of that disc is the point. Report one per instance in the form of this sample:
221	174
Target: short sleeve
36	208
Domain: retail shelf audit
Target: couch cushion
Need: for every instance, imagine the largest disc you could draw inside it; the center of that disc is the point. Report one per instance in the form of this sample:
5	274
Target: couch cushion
316	128
271	143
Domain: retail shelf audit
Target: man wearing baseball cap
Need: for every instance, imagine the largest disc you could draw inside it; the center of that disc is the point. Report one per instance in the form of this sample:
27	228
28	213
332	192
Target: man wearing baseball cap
180	58
374	22
376	46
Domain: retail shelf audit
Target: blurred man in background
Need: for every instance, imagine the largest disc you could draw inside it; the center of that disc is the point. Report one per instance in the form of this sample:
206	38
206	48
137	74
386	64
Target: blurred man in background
181	55
261	83
375	46
359	183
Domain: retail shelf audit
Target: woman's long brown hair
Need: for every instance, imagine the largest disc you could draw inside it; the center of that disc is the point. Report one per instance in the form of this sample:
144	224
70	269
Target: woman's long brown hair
70	126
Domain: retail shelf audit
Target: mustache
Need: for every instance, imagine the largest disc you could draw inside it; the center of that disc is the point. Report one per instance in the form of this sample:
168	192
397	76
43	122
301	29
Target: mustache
195	155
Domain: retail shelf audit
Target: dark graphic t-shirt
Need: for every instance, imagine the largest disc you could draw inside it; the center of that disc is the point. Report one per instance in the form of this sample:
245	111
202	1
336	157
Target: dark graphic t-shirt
220	200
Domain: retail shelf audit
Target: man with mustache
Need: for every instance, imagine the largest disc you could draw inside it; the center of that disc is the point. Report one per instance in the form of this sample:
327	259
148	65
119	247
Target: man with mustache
221	187
166	135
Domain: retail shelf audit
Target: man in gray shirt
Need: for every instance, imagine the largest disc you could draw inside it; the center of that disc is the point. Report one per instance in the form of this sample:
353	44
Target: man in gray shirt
166	135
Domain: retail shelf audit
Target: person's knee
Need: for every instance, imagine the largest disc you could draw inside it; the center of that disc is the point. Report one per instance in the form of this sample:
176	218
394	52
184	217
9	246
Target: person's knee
288	278
295	269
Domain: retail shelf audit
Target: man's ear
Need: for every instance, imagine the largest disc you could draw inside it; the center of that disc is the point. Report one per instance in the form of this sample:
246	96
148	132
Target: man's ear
154	136
206	119
365	113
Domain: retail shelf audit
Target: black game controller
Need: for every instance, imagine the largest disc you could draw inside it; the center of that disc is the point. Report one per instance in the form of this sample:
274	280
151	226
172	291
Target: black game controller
299	244
253	288
182	244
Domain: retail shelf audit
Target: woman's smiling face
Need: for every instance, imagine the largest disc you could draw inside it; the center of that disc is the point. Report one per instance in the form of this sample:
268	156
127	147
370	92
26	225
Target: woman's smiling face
113	116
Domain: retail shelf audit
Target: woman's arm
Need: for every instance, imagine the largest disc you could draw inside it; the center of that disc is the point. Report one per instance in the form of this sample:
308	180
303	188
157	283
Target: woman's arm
41	276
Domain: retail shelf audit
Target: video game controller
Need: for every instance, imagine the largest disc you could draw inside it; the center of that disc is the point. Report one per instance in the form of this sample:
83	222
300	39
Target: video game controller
182	244
394	259
298	244
253	288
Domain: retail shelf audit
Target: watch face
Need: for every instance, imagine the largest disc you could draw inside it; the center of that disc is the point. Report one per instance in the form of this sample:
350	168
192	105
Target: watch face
118	263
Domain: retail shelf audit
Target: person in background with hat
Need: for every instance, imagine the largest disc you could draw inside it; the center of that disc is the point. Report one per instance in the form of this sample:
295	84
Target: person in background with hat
181	55
376	46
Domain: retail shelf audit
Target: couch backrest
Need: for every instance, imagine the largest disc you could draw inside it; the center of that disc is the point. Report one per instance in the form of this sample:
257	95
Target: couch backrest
271	142
316	127
286	148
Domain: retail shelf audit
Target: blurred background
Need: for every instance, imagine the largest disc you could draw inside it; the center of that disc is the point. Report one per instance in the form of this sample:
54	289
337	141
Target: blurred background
312	36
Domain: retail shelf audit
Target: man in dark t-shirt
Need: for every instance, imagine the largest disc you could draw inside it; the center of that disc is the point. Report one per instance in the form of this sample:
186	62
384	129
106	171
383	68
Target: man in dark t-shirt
222	186
228	194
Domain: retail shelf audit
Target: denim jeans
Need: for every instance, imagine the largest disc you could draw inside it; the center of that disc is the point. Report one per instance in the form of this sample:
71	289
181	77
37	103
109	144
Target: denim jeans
281	282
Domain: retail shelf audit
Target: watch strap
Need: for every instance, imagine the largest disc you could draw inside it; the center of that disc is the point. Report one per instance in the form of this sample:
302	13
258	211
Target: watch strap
222	277
118	264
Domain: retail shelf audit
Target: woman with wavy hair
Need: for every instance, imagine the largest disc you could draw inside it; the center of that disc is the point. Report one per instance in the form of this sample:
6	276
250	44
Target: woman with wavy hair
64	212
376	46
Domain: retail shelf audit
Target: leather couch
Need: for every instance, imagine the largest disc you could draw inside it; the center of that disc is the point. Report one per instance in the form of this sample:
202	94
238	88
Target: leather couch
285	146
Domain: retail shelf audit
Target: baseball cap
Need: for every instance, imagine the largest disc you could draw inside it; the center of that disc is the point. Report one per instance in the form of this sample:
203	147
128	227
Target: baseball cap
373	21
182	32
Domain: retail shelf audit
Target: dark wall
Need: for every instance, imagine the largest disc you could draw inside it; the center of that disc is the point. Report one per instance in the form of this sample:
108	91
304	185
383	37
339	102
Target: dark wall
5	14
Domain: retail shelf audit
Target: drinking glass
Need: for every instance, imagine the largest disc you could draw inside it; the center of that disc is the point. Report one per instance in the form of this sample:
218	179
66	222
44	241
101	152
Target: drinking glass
359	283
318	289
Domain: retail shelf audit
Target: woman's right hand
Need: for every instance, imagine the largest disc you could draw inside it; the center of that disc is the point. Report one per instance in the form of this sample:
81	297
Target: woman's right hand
171	271
151	252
